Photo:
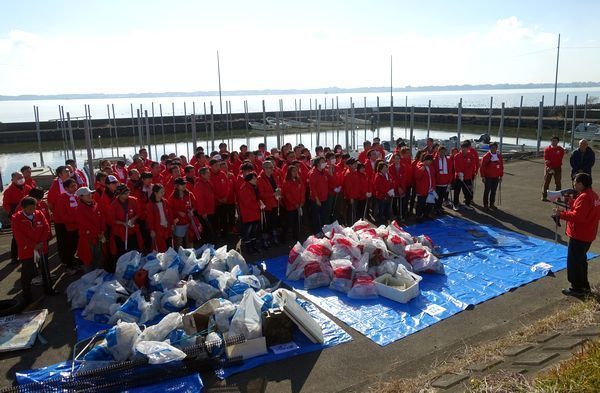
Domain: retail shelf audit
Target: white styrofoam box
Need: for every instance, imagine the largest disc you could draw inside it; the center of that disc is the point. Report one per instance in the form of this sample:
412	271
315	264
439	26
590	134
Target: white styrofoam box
386	284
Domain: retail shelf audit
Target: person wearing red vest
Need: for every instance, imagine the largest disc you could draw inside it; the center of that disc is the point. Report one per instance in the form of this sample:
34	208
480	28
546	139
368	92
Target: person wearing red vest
250	212
230	202
26	171
318	183
351	191
464	172
424	187
582	218
362	156
11	198
293	199
90	226
378	148
205	204
221	189
443	167
491	170
182	204
553	158
65	223
122	216
142	192
269	193
156	170
31	231
57	188
159	220
399	173
384	191
335	186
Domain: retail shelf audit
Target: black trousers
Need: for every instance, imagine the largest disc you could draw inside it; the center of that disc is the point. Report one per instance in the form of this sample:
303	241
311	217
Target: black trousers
292	221
28	272
229	217
489	191
66	243
14	251
249	231
442	192
384	211
412	195
132	244
467	188
220	224
423	207
208	228
577	265
145	235
319	216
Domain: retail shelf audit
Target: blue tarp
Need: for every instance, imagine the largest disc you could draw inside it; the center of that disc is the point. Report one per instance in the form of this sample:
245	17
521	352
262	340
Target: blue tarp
481	262
188	384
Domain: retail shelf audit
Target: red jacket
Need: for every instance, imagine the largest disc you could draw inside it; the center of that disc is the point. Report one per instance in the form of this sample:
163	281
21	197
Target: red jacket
400	177
80	178
90	224
29	233
443	177
266	192
350	185
12	196
318	182
183	205
143	198
554	155
53	194
424	180
153	224
205	197
120	174
235	166
220	185
65	211
475	157
381	185
491	169
370	171
293	194
362	156
582	218
465	164
231	187
249	205
30	182
408	169
335	179
117	212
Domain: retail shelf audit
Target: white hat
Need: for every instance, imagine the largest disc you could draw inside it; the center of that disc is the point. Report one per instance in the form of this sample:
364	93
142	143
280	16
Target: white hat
84	191
111	179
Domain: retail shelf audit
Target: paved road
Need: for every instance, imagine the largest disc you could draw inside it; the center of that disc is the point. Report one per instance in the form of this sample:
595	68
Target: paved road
353	366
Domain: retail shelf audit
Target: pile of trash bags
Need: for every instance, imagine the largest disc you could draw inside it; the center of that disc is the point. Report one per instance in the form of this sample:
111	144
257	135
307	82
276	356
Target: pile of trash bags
348	259
145	297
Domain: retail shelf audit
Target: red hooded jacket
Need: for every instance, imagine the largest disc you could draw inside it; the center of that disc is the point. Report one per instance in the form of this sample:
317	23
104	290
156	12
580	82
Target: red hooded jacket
491	169
424	180
293	194
318	182
248	203
90	223
582	218
29	233
205	197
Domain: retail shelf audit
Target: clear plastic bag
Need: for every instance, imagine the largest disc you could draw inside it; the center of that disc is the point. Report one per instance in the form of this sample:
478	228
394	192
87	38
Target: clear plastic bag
152	265
363	287
173	300
219	260
425	240
120	340
344	246
223	315
247	319
396	243
342	275
167	258
295	265
332	229
131	310
105	295
77	290
234	258
201	292
388	266
422	260
396	229
159	352
315	276
166	280
127	265
161	330
361	224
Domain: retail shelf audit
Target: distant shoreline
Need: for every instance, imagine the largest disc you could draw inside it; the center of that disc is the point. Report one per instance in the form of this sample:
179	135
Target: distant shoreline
328	90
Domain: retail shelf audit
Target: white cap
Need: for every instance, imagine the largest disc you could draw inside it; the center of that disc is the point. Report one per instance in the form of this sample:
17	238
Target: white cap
111	179
84	191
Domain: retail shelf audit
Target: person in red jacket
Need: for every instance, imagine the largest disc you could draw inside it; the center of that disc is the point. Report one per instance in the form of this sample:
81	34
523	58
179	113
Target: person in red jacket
425	187
11	198
205	204
371	165
582	227
464	172
57	188
26	171
122	216
250	212
76	174
31	231
269	193
120	171
142	191
335	186
111	183
362	156
491	170
221	190
38	194
90	226
553	158
293	200
182	204
318	183
384	190
159	220
443	167
398	173
351	191
230	201
65	223
99	186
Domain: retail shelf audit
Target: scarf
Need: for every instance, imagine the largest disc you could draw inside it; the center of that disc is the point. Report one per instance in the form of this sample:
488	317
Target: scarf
494	157
72	200
30	218
78	178
161	213
429	176
443	165
60	185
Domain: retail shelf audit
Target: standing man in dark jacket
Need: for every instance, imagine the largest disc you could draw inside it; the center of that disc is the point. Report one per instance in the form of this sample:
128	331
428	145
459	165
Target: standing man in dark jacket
582	159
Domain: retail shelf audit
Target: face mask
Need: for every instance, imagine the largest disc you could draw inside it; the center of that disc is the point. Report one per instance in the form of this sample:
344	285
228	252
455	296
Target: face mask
322	165
332	161
20	182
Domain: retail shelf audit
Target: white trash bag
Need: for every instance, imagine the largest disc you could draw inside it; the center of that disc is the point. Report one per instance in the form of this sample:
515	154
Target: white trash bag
173	300
247	319
159	352
127	265
315	276
120	340
161	330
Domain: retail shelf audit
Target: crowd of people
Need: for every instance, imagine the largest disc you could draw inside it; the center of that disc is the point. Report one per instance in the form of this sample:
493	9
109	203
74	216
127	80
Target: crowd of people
264	196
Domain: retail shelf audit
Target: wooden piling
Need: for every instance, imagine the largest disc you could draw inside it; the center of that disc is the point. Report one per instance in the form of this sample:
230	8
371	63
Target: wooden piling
519	120
501	128
36	115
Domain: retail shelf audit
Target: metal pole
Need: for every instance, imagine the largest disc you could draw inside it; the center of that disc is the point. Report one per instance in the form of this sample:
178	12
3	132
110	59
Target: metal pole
539	126
212	126
346	129
227	129
141	126
319	125
63	131
219	74
205	126
91	131
154	134
585	104
352	116
377	116
428	118
264	122
565	117
148	142
405	114
490	115
194	142
132	125
70	137
88	146
519	119
573	122
336	119
36	116
391	98
365	114
185	123
162	129
174	127
246	122
501	130
277	127
112	152
556	75
459	122
412	125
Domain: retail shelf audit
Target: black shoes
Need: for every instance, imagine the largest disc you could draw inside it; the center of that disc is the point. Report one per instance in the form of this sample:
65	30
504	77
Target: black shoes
578	293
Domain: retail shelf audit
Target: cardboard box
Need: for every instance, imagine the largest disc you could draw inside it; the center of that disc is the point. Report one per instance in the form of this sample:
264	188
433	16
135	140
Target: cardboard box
247	349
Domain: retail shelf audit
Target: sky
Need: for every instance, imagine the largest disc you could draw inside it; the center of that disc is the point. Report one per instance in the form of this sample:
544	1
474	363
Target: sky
133	46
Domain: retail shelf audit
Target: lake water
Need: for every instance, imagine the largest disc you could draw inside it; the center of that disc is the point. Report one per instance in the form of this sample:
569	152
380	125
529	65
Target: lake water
22	111
13	161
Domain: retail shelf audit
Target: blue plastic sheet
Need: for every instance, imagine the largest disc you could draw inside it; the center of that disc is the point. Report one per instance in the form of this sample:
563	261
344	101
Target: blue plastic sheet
188	384
481	262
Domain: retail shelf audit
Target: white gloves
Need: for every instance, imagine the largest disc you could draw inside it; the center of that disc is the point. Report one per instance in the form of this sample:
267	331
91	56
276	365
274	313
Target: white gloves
337	189
130	223
262	205
461	176
391	193
300	211
369	195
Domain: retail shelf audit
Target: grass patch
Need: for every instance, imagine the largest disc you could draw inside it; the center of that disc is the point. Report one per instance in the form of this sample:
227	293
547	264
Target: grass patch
575	317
